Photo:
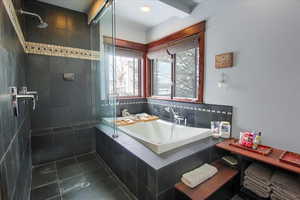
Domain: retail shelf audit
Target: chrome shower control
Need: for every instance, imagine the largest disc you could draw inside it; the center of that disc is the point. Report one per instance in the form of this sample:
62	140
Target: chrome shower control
25	91
23	95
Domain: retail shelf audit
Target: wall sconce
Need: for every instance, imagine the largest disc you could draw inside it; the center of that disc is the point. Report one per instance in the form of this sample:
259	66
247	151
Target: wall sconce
222	61
222	83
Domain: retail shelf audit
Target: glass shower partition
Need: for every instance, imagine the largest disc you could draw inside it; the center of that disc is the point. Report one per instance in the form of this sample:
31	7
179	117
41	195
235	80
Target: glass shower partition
104	70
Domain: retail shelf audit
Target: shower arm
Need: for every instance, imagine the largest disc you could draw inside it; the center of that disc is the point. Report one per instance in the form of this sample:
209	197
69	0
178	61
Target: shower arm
32	14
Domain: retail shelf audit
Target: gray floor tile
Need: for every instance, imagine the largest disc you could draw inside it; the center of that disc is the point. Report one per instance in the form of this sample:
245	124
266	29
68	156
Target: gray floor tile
84	178
117	194
55	198
43	175
91	165
97	175
46	168
45	192
69	171
84	194
74	184
43	179
66	163
86	157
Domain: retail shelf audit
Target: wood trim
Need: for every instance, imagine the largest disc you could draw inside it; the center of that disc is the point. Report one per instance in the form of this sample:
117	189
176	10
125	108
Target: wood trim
174	99
148	77
201	67
126	44
131	45
189	31
130	97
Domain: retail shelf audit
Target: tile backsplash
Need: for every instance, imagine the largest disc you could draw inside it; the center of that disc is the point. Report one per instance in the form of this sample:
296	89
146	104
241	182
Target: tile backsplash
197	115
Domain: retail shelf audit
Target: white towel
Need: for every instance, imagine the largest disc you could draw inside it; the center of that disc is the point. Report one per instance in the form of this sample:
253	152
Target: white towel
199	175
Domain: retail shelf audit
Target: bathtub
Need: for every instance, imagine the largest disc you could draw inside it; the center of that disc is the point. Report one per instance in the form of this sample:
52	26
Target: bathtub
161	136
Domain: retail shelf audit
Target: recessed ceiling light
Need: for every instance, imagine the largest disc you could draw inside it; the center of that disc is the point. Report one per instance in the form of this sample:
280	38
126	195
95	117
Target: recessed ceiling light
145	9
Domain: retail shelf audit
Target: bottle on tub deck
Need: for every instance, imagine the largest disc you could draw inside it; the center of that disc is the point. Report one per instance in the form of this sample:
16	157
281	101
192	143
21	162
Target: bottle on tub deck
215	128
225	129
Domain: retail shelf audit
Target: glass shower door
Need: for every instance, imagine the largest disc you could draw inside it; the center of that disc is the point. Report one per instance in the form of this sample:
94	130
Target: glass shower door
103	39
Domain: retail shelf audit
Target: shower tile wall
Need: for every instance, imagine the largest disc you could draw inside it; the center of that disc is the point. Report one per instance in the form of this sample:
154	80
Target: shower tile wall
63	104
15	156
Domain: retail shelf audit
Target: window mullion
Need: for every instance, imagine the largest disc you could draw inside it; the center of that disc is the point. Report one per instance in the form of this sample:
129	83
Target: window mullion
173	76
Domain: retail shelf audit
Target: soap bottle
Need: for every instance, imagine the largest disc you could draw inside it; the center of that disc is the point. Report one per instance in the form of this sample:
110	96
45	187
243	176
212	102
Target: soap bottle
225	129
257	141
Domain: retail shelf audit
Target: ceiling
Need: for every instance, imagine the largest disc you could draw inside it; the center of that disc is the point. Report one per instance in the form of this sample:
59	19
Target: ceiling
77	5
161	10
159	13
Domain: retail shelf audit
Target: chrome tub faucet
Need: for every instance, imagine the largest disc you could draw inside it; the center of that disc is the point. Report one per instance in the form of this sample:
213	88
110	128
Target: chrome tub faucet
176	117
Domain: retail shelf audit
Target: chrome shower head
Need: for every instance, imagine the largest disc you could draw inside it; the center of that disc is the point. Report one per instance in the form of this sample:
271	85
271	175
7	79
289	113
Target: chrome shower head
42	24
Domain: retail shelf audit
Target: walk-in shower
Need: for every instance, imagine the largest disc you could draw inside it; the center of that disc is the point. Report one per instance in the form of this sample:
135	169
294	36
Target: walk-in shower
42	23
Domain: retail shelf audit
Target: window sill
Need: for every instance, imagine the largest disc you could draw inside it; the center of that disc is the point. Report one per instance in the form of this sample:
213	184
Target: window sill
186	100
131	97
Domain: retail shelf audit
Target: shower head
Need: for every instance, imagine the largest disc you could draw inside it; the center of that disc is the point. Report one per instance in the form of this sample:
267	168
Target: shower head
42	24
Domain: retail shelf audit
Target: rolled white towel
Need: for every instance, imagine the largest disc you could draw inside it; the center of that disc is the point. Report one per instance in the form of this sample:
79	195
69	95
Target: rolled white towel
199	175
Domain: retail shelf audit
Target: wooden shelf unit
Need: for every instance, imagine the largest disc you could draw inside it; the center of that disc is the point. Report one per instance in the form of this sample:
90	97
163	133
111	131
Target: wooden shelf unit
210	186
272	159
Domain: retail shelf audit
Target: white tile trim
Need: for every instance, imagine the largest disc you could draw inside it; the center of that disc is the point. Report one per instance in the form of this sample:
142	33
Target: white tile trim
55	50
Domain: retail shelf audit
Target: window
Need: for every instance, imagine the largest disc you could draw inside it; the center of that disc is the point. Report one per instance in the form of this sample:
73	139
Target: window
186	74
128	73
162	77
128	70
175	70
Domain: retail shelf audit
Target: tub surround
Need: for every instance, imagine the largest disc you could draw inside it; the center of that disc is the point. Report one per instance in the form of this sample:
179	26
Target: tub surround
146	173
15	151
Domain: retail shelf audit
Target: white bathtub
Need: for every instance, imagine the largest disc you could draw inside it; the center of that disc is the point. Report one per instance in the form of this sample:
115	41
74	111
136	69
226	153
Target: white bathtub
160	137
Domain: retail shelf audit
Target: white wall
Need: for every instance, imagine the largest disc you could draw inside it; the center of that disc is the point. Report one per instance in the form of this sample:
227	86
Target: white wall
128	30
264	84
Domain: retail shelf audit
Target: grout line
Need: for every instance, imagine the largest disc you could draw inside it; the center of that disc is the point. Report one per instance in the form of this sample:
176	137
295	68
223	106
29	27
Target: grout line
58	181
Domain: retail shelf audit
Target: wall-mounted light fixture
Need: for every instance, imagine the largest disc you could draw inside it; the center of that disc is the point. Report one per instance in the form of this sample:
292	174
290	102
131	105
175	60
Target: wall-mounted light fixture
222	83
224	60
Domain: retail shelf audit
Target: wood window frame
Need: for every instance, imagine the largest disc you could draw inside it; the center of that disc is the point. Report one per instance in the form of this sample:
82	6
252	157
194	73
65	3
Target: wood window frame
138	47
199	29
146	82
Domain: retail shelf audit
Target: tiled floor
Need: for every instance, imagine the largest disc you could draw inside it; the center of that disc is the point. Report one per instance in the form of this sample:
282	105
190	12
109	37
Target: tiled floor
84	177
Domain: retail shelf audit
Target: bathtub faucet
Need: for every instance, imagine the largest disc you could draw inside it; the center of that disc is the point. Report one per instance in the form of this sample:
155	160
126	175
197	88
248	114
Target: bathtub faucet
176	117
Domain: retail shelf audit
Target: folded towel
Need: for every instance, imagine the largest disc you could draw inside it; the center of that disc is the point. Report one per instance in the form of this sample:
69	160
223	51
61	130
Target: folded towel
257	183
274	197
285	193
257	190
281	196
285	181
260	172
199	175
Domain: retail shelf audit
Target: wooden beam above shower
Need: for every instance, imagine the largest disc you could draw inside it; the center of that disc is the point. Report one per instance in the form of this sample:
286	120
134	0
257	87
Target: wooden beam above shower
96	7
